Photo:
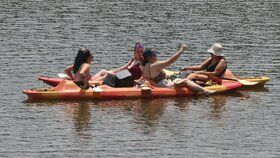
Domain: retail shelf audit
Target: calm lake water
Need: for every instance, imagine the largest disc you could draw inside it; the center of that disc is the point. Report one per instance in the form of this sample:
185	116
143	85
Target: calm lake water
42	37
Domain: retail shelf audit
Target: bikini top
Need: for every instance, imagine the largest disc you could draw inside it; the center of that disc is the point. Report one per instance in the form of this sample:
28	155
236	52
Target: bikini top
211	68
158	78
78	76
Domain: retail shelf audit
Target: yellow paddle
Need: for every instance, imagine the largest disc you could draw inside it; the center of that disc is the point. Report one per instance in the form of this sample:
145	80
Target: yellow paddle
244	82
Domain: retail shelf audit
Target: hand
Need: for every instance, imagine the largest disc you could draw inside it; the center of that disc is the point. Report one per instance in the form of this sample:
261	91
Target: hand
184	69
68	78
183	47
199	72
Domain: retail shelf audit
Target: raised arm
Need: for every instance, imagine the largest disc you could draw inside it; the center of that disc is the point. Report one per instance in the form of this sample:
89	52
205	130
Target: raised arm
198	67
165	63
68	71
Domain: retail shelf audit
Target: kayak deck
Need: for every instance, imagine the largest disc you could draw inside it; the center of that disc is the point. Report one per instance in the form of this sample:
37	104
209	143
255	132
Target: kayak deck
55	81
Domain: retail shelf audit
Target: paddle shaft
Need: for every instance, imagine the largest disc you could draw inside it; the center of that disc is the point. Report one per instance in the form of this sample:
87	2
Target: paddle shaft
232	79
244	82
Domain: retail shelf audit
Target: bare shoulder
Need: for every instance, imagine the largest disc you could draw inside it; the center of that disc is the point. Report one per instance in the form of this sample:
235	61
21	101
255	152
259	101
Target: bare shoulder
223	60
158	63
86	65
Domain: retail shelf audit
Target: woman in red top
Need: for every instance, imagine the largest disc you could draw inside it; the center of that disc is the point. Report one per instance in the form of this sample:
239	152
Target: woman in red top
133	66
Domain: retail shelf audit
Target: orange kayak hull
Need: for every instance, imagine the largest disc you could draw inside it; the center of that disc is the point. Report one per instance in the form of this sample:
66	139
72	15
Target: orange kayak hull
67	90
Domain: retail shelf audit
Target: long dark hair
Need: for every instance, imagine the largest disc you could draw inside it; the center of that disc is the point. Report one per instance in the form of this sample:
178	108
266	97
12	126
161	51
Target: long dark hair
146	56
145	61
81	58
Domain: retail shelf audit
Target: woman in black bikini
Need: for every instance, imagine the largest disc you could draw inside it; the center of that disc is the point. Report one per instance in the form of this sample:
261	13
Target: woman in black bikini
214	68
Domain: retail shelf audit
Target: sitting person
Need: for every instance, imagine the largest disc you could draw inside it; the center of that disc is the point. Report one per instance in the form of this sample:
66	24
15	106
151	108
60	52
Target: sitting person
131	71
79	72
214	68
133	66
153	71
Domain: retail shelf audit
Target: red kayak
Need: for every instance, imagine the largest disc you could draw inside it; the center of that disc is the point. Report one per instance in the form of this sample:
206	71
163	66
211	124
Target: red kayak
55	81
50	81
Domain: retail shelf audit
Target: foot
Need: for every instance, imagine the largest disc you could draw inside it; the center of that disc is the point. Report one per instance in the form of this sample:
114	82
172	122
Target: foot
178	81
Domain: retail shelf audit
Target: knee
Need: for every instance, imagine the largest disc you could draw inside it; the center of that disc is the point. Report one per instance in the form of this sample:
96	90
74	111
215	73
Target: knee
188	81
103	72
191	76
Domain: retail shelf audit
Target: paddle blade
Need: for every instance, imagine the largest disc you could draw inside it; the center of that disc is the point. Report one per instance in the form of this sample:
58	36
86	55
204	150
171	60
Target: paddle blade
247	83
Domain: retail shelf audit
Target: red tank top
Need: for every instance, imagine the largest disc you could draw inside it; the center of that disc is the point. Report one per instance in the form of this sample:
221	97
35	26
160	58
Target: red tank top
135	69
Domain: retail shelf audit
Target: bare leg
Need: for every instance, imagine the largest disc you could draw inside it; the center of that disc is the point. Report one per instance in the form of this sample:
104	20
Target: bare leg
198	77
196	88
229	74
100	75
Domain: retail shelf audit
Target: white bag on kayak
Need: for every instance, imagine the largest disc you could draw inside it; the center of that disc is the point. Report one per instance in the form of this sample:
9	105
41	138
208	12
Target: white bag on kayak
123	74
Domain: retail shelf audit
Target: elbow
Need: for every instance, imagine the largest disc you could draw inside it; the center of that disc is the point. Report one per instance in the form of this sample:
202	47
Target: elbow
200	67
215	73
169	62
66	71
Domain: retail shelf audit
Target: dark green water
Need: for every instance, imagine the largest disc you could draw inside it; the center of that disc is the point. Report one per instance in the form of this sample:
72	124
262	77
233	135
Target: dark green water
42	37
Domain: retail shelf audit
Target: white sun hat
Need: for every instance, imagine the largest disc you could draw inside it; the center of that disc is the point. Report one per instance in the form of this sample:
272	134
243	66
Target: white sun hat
216	49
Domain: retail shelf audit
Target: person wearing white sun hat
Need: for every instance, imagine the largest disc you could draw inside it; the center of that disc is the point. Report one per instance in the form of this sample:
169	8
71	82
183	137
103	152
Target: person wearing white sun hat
216	49
214	68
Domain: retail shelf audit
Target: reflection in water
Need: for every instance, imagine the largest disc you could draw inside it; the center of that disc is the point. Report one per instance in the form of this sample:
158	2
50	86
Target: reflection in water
149	113
218	103
80	112
182	103
254	89
81	116
150	109
217	106
146	111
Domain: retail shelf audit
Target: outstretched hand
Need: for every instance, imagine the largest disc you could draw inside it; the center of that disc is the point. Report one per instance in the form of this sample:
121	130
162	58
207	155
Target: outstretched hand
184	69
183	47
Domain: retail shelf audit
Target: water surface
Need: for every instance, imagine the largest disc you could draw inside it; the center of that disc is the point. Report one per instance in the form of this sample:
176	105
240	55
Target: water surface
42	38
